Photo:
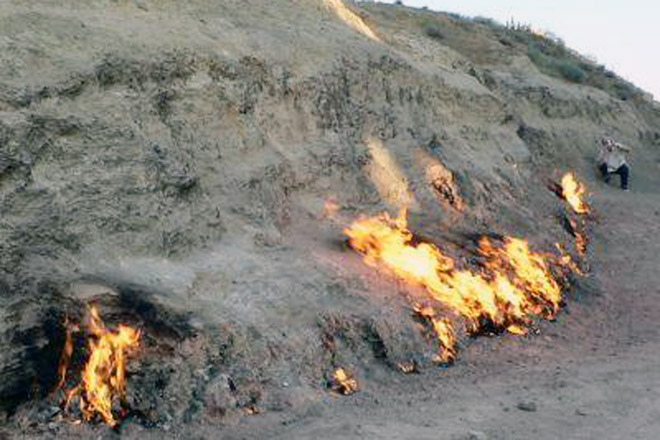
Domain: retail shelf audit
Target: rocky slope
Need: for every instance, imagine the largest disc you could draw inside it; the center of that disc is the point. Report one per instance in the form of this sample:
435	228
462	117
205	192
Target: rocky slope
171	161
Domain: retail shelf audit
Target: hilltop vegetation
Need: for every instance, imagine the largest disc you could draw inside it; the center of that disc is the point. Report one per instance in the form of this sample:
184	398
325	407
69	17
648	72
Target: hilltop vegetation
476	39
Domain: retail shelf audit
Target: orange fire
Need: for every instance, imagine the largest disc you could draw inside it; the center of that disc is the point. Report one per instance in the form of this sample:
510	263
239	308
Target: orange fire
343	382
531	275
104	374
566	260
573	191
443	330
577	230
515	285
67	352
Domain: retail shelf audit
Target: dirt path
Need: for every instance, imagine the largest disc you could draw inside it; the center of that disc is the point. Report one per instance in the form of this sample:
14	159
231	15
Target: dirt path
609	397
593	374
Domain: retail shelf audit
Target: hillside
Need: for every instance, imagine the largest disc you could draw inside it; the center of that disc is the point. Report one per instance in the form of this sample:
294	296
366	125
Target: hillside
190	167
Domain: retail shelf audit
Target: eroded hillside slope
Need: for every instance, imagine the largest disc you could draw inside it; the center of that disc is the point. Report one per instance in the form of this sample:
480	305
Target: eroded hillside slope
172	162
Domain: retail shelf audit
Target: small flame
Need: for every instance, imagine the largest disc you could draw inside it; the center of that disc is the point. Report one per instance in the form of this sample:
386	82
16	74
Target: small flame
573	191
515	285
516	330
443	330
581	240
344	382
67	352
104	374
566	260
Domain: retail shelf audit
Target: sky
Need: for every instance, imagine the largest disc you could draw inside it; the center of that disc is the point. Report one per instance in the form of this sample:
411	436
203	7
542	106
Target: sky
622	35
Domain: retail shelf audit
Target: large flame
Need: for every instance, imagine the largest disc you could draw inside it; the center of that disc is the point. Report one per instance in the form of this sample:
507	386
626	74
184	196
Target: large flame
104	374
573	191
515	285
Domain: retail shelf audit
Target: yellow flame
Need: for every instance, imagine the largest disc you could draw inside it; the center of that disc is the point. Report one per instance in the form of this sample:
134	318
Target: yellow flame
573	191
444	332
350	18
516	284
344	383
566	260
104	374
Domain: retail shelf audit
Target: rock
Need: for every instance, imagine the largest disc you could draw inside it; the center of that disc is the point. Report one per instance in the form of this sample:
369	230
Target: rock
476	435
527	406
471	435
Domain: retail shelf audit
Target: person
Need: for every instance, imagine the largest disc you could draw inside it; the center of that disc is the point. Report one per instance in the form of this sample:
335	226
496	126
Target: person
612	160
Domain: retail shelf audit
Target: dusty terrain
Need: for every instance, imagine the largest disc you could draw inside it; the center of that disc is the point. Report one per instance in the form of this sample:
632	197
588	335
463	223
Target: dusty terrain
590	375
172	162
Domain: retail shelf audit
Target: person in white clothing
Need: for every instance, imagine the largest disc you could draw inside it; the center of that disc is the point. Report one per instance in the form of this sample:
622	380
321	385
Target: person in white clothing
612	160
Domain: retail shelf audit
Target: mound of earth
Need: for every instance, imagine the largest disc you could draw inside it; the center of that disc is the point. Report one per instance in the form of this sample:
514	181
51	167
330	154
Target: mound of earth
190	167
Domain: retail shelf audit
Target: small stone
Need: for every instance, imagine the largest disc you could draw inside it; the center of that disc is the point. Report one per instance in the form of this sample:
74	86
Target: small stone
51	411
527	406
476	435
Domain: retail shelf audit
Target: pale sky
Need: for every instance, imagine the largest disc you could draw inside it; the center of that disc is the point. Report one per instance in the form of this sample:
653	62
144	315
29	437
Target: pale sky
622	35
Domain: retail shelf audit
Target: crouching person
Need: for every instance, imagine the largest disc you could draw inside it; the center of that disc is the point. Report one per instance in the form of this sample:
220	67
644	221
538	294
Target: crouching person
612	160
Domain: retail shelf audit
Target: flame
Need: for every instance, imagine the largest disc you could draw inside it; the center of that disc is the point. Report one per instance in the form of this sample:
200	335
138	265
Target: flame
516	330
67	352
343	382
532	275
572	191
104	374
566	260
581	240
350	18
515	285
444	332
